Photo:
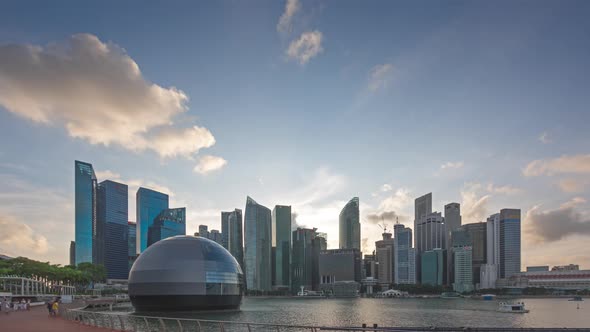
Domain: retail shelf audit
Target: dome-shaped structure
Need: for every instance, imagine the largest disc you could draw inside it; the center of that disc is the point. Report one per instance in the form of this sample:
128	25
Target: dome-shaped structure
185	273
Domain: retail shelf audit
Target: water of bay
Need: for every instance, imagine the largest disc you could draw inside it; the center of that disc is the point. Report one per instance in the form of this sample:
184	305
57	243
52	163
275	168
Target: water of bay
546	312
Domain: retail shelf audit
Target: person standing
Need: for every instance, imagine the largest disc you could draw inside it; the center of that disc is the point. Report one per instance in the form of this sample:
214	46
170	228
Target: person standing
55	308
49	307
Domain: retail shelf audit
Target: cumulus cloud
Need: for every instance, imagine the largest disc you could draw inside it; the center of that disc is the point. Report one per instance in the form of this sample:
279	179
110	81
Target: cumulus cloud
570	185
507	189
474	204
379	76
107	175
379	217
306	47
398	201
544	138
386	187
450	164
209	164
98	93
285	21
554	225
20	239
576	164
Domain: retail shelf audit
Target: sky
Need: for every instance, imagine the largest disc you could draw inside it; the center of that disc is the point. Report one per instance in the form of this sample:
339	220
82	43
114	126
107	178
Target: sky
301	103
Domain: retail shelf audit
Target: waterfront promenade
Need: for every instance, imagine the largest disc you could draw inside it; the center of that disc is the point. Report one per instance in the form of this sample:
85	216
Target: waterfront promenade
37	320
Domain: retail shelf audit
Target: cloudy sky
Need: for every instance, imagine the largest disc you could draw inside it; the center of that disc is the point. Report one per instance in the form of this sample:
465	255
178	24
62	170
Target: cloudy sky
306	103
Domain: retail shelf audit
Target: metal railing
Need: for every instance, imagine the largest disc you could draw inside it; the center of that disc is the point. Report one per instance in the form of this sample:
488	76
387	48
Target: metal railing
130	322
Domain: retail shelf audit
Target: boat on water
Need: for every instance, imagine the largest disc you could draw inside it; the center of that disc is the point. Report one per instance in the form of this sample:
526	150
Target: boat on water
309	294
576	298
450	295
516	308
488	297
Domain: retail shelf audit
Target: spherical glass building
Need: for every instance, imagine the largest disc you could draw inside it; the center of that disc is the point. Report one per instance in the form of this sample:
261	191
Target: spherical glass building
185	273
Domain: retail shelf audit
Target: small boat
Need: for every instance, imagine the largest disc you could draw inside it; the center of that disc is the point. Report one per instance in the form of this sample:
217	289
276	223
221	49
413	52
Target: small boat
517	308
576	298
309	294
488	297
450	295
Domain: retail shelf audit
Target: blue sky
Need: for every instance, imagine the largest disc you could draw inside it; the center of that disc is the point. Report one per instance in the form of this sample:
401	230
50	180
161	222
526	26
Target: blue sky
307	103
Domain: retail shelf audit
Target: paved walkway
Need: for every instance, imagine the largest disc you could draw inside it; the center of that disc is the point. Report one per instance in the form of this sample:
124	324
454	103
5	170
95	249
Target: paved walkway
38	320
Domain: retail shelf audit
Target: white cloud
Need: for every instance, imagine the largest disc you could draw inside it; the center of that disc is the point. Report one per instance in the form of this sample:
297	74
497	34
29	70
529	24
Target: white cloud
398	201
379	76
553	225
576	164
19	239
386	187
450	164
570	185
544	138
209	164
107	175
507	189
285	21
573	202
474	205
306	47
98	93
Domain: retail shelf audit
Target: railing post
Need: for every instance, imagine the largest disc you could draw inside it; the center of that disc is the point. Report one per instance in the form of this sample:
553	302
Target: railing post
121	322
180	325
162	324
199	325
147	325
248	326
221	329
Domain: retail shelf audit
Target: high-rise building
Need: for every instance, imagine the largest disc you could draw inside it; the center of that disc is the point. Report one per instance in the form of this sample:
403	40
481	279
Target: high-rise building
339	265
350	226
370	267
235	242
433	268
149	204
452	223
281	240
168	223
224	228
492	252
422	208
488	275
405	255
73	253
303	260
478	234
431	232
131	243
258	243
85	211
204	231
461	254
384	250
215	235
509	242
112	218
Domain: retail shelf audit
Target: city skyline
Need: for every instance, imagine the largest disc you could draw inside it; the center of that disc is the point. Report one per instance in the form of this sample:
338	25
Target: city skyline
347	123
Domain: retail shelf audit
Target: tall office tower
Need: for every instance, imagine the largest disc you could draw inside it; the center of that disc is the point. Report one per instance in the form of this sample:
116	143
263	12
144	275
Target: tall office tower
461	253
73	253
452	223
493	239
215	235
84	210
235	242
477	233
258	243
488	275
131	243
350	226
112	216
509	242
168	223
385	258
370	267
405	261
431	232
422	208
281	240
303	259
149	204
224	229
433	265
204	231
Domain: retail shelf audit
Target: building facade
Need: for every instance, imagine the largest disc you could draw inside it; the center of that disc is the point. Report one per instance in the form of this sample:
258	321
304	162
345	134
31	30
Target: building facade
339	265
131	243
281	240
149	204
258	244
478	234
215	235
204	231
461	254
350	226
169	223
235	239
510	248
384	250
73	253
112	218
405	256
488	275
431	232
85	211
303	263
433	266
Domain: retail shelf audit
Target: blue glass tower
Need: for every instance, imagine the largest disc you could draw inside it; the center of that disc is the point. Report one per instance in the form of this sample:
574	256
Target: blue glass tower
168	223
509	242
84	211
112	218
258	240
350	226
131	242
149	204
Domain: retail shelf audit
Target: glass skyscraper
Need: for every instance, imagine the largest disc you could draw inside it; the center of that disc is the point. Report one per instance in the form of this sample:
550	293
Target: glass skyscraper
84	211
281	240
405	261
350	226
112	217
131	243
258	242
509	242
461	255
303	259
149	204
433	267
234	234
168	223
478	234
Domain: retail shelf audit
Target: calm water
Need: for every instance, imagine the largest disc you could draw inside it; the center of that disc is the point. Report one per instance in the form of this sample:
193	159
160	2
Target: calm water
404	312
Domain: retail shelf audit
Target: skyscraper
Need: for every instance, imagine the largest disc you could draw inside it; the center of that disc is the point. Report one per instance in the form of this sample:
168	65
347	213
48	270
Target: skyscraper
509	242
433	266
422	207
204	231
131	243
235	242
215	235
258	241
224	228
303	260
452	219
112	217
384	250
350	226
431	232
281	240
149	204
73	253
405	255
85	211
461	254
169	223
477	233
